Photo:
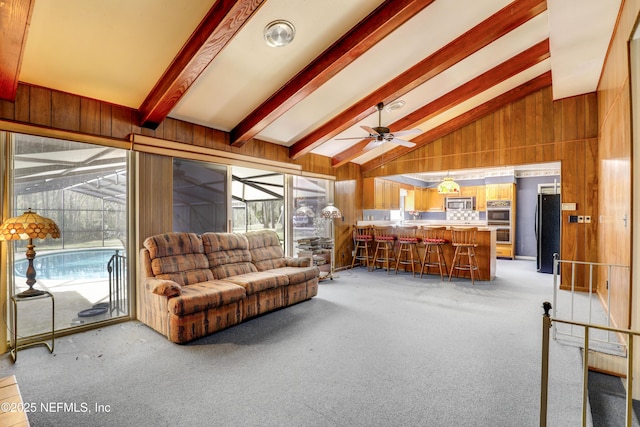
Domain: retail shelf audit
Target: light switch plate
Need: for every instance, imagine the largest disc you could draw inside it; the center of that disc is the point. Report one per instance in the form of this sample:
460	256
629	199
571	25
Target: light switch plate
569	206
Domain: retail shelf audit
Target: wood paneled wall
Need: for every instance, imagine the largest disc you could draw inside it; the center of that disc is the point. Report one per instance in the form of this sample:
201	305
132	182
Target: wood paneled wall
614	157
58	110
348	197
535	129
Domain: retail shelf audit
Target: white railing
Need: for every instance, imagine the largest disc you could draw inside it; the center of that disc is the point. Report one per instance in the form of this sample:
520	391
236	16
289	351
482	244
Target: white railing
584	306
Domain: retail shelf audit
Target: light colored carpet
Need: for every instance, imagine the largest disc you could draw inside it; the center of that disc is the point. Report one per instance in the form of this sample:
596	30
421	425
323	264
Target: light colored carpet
370	350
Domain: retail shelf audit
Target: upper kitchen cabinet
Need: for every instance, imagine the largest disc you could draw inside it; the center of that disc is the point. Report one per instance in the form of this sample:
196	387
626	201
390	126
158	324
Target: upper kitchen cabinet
481	198
381	194
436	200
500	191
468	191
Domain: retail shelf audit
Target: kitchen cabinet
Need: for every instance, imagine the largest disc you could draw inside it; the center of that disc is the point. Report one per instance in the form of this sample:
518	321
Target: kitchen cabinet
410	201
391	195
500	191
421	199
504	250
381	194
468	191
481	198
436	200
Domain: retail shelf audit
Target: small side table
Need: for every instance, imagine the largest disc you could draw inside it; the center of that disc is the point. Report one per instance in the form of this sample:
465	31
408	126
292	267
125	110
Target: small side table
13	343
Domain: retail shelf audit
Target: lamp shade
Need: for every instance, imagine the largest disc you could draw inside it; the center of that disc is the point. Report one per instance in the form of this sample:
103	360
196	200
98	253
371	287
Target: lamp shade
448	186
29	225
330	212
305	210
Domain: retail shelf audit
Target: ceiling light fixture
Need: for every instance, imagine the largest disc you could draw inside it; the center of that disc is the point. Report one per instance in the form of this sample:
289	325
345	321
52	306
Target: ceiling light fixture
448	186
279	33
395	105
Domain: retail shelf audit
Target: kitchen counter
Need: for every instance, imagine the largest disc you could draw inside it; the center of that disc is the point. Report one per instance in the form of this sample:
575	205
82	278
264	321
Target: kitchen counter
431	223
486	239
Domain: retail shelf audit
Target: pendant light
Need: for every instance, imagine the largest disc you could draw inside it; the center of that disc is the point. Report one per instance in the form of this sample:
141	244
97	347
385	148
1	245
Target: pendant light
448	186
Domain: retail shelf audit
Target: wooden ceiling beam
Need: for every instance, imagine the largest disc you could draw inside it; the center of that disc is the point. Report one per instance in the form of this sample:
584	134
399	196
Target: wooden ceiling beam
517	64
15	18
366	34
469	117
483	34
219	26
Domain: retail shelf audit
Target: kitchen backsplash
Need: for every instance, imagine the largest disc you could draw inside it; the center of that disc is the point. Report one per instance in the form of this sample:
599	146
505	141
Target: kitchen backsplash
463	216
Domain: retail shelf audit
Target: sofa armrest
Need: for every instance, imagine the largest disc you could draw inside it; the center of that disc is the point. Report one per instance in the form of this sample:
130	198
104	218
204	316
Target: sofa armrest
298	262
167	288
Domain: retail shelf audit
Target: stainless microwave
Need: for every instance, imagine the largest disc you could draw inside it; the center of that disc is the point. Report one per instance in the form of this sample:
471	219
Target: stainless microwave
460	203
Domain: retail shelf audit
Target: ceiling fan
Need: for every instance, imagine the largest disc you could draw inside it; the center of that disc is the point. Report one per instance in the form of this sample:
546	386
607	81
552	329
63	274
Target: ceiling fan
382	134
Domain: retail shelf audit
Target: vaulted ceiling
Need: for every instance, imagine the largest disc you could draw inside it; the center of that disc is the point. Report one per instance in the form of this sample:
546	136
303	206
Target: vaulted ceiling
206	62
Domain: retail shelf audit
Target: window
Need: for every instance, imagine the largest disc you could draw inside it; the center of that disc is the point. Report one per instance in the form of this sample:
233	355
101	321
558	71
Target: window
199	196
83	188
310	196
258	200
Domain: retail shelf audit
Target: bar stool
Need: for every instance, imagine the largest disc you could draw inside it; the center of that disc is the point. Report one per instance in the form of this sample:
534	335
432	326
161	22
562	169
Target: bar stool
408	246
363	236
464	242
434	239
385	241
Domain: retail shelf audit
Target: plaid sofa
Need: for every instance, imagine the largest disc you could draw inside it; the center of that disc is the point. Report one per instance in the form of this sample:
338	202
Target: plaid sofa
193	285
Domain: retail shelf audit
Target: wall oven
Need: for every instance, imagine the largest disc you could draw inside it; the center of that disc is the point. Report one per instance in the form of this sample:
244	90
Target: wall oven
503	235
499	216
499	212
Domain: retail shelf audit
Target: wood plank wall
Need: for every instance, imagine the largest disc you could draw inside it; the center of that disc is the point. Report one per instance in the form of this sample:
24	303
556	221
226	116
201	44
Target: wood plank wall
534	129
614	157
48	108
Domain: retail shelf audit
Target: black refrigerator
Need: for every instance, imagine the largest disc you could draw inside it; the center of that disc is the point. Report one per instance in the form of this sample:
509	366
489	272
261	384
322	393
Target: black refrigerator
547	230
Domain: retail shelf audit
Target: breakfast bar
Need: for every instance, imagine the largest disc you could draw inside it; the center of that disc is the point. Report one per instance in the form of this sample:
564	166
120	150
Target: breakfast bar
485	239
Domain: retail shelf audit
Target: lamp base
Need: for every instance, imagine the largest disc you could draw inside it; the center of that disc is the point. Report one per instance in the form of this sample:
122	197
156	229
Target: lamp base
30	293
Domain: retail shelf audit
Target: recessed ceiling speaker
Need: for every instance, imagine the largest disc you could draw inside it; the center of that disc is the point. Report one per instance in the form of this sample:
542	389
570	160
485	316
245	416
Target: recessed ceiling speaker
279	33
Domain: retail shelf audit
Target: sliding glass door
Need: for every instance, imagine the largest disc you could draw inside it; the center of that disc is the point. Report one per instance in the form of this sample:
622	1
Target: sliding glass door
84	189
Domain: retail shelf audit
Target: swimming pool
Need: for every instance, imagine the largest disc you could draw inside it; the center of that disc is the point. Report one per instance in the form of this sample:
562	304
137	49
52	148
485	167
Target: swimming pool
70	264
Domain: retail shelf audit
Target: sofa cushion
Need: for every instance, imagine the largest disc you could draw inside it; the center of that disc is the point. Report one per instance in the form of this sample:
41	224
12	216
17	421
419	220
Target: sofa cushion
179	257
266	252
205	295
228	254
297	274
259	281
174	243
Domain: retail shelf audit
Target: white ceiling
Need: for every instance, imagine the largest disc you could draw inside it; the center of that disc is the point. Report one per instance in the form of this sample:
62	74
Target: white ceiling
116	51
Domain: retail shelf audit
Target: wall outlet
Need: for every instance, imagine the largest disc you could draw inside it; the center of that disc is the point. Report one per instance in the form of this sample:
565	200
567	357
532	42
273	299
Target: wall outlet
587	219
580	218
573	218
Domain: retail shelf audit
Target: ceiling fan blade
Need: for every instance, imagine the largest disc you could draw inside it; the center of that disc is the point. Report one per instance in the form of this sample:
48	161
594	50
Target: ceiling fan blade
407	132
373	144
371	131
356	137
403	142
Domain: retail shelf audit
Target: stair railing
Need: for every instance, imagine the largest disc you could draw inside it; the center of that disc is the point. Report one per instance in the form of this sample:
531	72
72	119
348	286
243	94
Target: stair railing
547	322
572	309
